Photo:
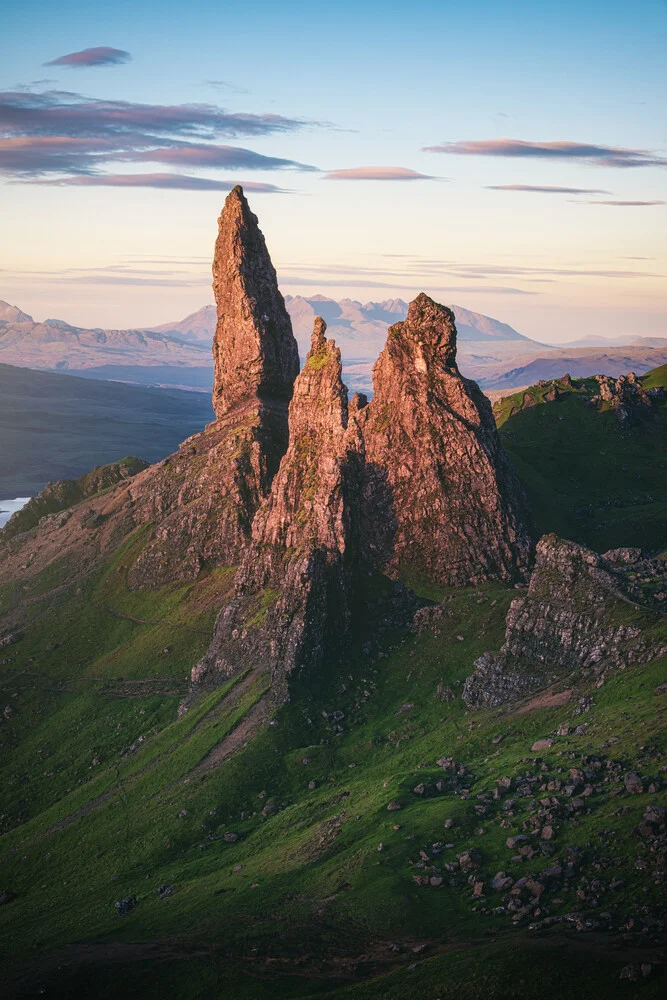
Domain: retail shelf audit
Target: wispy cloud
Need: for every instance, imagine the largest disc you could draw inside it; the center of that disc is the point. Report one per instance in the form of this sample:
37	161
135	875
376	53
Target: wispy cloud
543	189
611	156
59	132
306	281
100	56
376	174
225	85
206	155
624	204
180	182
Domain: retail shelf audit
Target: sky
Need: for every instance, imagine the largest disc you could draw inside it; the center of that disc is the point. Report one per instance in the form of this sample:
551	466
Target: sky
510	157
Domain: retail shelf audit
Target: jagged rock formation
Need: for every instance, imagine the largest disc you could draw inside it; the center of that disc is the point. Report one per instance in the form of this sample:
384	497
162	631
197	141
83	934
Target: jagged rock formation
576	615
295	587
204	498
440	494
626	396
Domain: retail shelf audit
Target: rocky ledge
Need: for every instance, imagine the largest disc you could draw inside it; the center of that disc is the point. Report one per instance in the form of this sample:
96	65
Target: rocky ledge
579	613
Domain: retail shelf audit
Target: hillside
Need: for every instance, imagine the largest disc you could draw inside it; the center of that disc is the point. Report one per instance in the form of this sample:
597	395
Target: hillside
581	363
59	426
593	465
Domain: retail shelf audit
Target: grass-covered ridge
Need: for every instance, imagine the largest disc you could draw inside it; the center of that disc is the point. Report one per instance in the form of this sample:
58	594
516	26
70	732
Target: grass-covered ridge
589	476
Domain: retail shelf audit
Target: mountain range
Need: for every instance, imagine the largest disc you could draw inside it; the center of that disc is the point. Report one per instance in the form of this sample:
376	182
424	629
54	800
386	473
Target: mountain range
178	354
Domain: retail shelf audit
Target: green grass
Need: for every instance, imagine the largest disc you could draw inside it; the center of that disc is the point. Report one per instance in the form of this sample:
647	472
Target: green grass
588	476
312	889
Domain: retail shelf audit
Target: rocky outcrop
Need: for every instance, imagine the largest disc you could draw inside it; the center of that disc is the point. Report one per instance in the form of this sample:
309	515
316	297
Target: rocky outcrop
626	396
65	493
576	615
203	499
295	587
440	496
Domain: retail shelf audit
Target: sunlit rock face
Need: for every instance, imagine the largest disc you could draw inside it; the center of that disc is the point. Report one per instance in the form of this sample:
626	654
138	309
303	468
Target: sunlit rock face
441	498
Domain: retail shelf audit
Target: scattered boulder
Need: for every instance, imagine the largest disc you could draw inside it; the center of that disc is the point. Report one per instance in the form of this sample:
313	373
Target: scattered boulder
123	906
633	783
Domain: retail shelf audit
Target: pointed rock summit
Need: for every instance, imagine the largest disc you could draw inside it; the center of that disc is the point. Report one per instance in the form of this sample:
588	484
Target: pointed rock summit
295	585
254	350
442	500
203	499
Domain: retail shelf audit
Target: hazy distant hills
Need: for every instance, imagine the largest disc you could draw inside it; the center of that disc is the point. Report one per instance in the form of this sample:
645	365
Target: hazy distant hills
178	354
197	328
581	363
54	426
57	345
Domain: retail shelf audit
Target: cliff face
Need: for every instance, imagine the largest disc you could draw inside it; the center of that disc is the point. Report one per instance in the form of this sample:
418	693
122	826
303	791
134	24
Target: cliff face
441	496
295	586
578	613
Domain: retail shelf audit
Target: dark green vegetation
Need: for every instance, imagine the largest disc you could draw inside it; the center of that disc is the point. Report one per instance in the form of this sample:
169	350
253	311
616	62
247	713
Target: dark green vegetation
590	476
270	835
59	426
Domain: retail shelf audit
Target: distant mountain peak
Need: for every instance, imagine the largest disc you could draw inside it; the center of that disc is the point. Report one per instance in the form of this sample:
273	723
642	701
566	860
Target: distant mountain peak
12	314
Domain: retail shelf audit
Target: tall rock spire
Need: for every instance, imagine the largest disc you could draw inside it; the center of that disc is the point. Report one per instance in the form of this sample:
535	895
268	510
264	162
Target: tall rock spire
254	350
441	498
203	499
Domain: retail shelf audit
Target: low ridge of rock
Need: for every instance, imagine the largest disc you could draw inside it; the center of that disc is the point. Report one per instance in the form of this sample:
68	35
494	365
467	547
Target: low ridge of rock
571	618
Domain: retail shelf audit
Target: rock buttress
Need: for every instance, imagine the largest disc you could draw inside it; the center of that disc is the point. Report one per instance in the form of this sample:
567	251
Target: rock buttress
576	615
294	590
441	499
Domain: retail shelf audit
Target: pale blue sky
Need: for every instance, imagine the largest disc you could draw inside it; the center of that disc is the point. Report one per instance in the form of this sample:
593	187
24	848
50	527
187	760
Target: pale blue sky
355	85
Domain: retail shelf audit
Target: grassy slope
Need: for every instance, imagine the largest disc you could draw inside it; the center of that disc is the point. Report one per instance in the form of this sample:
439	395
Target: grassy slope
313	891
588	477
303	904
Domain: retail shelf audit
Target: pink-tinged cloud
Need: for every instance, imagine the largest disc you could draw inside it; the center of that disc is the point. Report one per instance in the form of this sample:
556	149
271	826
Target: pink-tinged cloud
624	204
100	56
376	174
204	155
543	189
62	113
180	182
611	156
62	153
61	132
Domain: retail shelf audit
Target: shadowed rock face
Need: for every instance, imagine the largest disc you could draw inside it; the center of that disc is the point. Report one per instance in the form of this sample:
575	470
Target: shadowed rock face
570	619
295	585
441	498
254	350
